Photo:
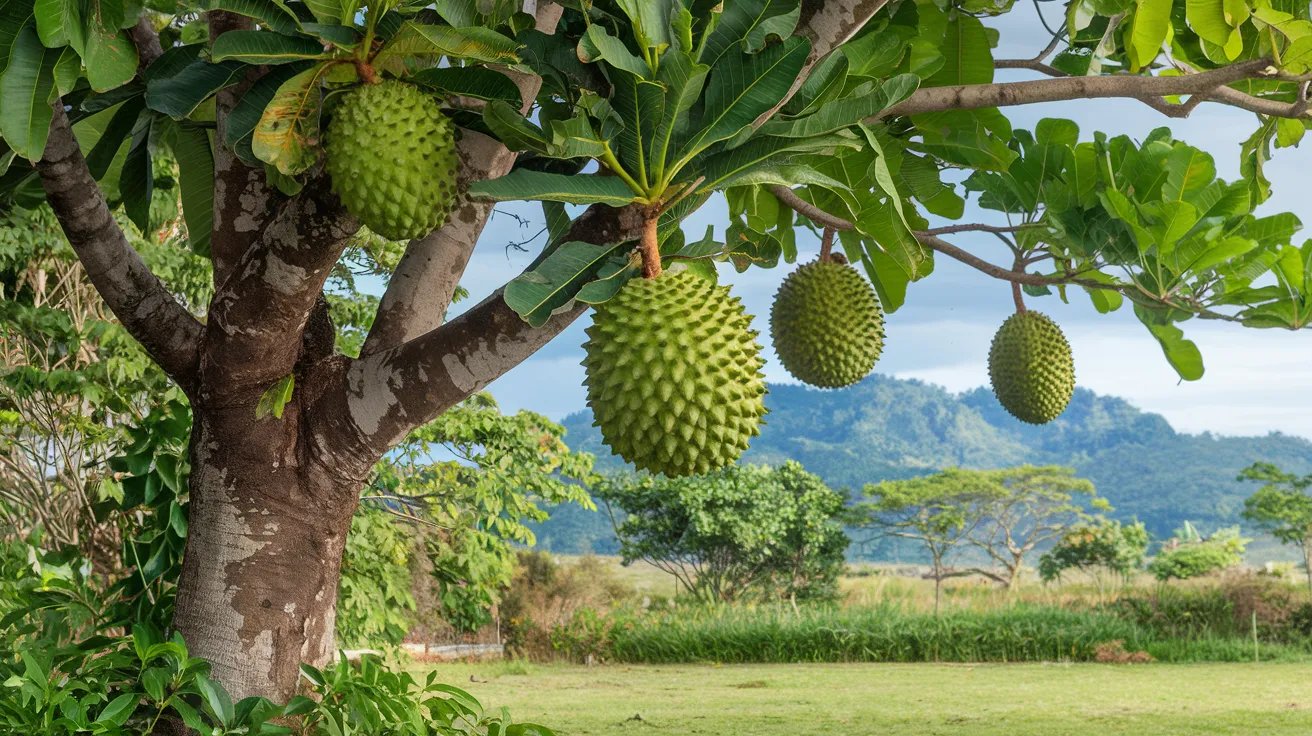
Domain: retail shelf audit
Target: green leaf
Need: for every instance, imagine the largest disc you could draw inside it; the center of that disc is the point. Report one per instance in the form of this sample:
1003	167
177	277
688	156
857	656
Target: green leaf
1147	33
684	81
240	128
535	294
1208	19
823	84
742	87
967	58
1289	133
785	174
14	17
751	21
216	698
273	14
27	88
418	40
514	130
1182	354
118	130
640	104
1188	170
845	112
718	168
287	135
110	59
601	45
478	82
334	11
274	400
180	94
137	181
263	47
119	710
575	138
193	149
524	184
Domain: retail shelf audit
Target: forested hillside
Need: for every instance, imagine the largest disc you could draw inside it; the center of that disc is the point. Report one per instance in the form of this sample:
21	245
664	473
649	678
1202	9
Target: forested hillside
888	428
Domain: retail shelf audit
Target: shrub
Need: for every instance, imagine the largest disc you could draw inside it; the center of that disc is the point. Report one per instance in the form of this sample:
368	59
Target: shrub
545	596
742	532
374	601
1192	556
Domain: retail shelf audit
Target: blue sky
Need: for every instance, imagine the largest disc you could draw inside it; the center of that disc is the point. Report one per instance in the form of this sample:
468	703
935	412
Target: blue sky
1255	380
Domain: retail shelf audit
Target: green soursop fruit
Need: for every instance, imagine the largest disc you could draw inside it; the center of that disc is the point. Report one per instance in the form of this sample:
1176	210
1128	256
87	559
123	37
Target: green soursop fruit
392	159
827	325
674	374
1031	368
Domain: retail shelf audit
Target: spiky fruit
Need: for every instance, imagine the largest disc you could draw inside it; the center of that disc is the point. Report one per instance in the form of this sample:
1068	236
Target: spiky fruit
1031	368
827	325
392	159
674	374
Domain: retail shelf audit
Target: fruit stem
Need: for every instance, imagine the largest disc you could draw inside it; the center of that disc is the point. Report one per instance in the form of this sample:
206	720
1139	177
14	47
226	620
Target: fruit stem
826	244
650	246
366	72
1020	299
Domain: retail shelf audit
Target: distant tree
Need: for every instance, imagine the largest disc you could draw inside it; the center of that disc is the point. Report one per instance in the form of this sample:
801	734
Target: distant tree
1282	508
1105	549
471	507
1035	506
940	511
1189	554
745	531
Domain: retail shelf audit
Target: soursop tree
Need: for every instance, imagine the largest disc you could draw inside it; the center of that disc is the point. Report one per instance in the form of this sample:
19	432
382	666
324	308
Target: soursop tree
823	114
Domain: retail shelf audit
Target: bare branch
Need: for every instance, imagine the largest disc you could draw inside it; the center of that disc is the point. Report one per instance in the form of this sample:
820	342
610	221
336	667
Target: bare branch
147	310
1062	88
390	392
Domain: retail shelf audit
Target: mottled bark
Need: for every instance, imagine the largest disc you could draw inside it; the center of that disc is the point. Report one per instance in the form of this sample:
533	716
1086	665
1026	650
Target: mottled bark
149	312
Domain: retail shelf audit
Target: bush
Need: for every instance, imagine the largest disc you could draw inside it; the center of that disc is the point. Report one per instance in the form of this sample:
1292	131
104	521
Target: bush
544	598
1196	556
1223	610
742	532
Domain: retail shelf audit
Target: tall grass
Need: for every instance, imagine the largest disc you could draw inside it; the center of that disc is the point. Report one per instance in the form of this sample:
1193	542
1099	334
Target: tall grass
891	634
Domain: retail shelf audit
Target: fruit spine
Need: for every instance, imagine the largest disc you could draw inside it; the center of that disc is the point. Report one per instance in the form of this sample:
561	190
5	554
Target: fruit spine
392	159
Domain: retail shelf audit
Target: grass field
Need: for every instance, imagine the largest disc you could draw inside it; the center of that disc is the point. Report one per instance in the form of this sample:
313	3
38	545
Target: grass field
902	700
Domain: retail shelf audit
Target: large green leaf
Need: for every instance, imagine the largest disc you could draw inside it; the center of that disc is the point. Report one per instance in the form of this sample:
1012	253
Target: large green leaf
750	21
967	57
524	184
742	87
116	132
28	88
535	294
1182	354
193	149
719	168
575	138
640	104
1148	28
847	111
263	47
1188	170
241	122
137	181
110	59
273	14
333	11
180	94
425	41
684	81
14	16
287	135
513	129
598	44
477	82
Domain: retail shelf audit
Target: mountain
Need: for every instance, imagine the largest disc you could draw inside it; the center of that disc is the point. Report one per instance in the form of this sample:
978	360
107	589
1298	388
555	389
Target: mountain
889	428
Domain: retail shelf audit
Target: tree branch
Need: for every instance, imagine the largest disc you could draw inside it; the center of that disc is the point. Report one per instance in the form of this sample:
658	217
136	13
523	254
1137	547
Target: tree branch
145	38
145	308
1062	88
1217	92
391	392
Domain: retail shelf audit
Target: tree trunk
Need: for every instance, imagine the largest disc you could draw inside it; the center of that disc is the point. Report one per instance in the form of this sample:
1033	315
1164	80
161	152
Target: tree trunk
1307	562
268	523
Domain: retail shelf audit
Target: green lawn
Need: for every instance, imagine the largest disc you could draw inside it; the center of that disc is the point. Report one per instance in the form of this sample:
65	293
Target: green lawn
905	700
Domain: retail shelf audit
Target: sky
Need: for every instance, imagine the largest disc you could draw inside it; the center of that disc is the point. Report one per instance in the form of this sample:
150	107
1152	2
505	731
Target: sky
1256	381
